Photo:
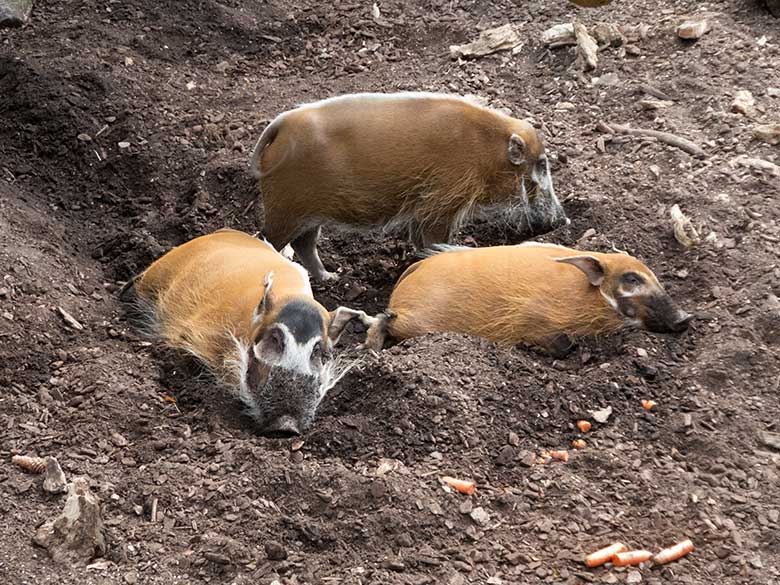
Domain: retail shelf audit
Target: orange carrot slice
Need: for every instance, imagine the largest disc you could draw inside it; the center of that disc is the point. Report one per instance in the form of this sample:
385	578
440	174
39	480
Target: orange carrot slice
673	553
559	455
584	425
463	486
578	444
648	404
603	555
633	557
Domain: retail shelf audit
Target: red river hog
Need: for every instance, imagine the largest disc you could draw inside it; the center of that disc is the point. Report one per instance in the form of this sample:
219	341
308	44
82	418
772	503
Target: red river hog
540	294
248	314
423	162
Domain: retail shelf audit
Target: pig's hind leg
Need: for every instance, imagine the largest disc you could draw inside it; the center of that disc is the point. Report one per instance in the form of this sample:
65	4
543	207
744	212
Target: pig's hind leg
305	246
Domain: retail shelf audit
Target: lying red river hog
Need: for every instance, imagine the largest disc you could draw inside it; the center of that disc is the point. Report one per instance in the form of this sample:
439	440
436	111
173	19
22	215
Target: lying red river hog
248	313
420	161
540	294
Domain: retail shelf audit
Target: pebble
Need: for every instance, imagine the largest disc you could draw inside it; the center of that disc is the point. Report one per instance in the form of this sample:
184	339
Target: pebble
641	352
480	516
275	551
527	458
84	137
634	577
123	144
513	439
506	455
131	578
693	29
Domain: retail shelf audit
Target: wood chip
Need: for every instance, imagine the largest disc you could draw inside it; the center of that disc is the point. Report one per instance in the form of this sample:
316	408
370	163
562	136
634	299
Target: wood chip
490	41
684	232
560	35
70	320
677	141
587	48
768	133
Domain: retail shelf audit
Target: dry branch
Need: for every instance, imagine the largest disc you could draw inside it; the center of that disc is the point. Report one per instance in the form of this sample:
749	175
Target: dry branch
670	139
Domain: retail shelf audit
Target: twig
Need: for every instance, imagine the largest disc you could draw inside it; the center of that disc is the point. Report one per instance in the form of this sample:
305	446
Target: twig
670	139
655	92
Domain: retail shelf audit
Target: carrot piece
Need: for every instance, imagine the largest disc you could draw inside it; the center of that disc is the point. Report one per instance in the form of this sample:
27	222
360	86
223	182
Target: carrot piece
463	486
648	404
578	444
584	425
559	455
633	557
603	555
673	553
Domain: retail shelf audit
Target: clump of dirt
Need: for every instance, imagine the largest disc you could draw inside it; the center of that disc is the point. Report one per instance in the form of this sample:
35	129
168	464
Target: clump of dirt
126	129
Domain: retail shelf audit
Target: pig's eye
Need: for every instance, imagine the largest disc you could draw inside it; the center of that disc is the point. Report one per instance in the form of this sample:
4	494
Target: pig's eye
632	280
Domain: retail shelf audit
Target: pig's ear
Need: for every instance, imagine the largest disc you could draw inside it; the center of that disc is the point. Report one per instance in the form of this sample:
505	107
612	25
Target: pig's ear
265	303
518	150
590	265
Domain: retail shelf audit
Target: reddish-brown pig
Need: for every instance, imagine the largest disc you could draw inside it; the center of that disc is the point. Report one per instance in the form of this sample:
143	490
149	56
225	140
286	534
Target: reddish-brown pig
420	161
540	294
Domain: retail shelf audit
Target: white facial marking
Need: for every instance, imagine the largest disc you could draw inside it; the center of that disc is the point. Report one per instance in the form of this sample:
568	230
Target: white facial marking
296	356
612	302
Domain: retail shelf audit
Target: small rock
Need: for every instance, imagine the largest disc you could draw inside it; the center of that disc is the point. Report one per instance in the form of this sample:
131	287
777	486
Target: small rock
354	292
77	535
84	137
513	439
54	481
601	416
124	144
190	85
565	106
771	440
634	577
768	133
466	507
606	80
480	516
641	352
275	551
14	13
8	316
527	458
118	439
128	61
692	30
650	104
131	578
222	66
506	455
743	102
773	91
3	292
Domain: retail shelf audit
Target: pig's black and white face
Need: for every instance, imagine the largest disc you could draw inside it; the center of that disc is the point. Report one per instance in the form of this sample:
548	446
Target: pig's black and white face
538	210
287	370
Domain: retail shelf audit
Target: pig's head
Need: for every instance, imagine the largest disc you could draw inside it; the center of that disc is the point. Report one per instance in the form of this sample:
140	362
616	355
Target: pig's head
288	368
537	209
632	290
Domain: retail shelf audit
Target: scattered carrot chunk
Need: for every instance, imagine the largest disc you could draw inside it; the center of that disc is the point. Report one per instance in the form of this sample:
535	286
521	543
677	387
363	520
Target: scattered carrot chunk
633	557
578	444
169	398
584	425
673	553
562	455
604	555
648	404
463	486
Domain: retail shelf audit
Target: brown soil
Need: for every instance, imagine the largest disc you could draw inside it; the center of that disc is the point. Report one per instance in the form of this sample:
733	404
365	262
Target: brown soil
361	501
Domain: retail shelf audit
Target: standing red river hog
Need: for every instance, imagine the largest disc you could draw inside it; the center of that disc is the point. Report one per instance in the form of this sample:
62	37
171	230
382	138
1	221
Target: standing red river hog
540	294
423	162
248	313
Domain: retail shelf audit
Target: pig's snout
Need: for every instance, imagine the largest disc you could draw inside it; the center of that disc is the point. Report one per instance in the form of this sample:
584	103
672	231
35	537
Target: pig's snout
282	427
681	323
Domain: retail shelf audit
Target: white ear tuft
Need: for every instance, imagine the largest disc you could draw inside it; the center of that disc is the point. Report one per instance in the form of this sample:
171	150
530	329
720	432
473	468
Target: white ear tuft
265	300
517	150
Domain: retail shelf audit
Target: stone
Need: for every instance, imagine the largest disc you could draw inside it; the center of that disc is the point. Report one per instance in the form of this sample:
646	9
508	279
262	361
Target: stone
691	30
743	102
77	535
527	458
601	416
275	551
506	455
480	516
768	133
14	13
54	481
634	577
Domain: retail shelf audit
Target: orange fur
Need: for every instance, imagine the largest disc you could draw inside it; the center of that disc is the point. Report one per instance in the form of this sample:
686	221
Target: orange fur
425	161
507	294
204	294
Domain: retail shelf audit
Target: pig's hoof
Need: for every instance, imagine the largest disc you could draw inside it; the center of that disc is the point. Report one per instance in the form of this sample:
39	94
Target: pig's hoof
326	276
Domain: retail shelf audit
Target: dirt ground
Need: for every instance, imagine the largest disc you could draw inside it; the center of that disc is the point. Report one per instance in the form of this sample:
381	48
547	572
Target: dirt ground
125	129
